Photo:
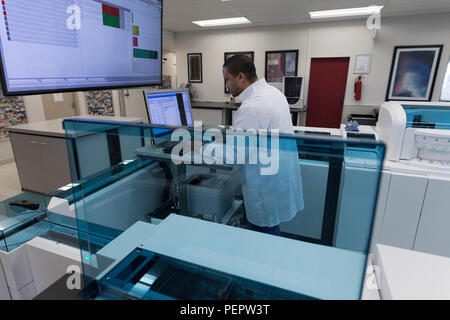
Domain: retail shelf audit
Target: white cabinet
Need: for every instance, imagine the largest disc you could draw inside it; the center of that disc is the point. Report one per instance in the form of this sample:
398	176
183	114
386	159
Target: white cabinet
402	210
413	213
379	211
50	261
17	271
433	234
4	291
42	162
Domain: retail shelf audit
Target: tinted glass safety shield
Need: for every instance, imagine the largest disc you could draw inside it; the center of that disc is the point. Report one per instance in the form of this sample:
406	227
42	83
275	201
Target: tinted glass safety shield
149	209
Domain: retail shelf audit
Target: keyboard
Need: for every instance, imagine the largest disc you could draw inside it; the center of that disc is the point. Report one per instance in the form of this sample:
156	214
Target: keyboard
167	144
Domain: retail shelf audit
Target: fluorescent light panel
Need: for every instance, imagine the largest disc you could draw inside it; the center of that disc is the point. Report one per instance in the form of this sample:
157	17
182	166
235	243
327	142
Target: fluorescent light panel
345	12
222	22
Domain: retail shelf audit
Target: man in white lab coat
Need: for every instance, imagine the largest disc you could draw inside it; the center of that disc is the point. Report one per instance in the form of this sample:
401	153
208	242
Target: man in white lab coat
269	199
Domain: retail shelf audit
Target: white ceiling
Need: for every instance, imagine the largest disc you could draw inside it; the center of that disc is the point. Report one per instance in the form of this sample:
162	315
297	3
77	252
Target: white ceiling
179	14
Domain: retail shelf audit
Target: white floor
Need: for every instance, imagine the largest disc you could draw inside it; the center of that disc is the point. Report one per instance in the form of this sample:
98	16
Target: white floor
9	181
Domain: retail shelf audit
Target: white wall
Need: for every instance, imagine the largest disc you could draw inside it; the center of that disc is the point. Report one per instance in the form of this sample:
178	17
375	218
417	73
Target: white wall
170	67
135	103
6	154
82	106
34	108
319	39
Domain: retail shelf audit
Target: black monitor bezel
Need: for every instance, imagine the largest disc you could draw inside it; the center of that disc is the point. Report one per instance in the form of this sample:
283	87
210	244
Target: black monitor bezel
8	93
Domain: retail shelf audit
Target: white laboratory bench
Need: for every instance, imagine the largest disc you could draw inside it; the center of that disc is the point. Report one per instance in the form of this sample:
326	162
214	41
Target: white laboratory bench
54	128
335	132
328	131
222	113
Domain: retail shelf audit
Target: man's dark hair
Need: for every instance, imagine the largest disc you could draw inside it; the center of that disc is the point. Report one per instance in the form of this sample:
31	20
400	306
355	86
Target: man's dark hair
241	63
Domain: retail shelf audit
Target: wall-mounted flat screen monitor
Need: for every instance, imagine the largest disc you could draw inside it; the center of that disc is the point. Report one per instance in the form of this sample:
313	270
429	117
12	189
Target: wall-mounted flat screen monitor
67	45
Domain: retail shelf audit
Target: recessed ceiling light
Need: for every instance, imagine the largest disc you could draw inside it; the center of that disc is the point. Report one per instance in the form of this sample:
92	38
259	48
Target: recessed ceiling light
345	12
222	22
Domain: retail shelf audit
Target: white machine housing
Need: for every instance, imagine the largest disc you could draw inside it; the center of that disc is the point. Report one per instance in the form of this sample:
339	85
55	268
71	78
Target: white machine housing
413	201
404	143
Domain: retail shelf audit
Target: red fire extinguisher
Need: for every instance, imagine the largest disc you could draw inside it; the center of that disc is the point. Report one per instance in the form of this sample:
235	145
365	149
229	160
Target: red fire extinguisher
358	87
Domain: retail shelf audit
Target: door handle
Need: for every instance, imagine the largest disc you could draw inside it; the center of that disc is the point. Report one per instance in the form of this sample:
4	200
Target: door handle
33	142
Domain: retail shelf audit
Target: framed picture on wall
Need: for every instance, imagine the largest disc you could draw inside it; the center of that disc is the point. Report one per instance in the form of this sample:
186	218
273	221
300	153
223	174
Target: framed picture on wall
445	92
195	69
413	72
280	64
362	63
228	55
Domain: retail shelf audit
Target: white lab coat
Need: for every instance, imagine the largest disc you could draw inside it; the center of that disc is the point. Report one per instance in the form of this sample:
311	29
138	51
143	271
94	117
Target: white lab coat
270	199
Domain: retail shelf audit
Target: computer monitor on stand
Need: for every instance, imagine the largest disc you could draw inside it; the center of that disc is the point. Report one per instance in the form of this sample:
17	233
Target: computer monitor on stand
292	89
168	108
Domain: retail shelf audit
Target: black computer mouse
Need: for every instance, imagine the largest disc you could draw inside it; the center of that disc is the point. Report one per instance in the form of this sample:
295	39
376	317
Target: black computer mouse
26	204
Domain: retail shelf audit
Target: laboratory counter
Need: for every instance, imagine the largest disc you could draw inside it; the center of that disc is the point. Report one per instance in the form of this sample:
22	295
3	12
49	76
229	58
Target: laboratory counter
226	105
215	105
221	113
41	152
54	128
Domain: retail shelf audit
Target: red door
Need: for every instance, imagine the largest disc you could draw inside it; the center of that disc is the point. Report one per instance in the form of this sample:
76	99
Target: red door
327	83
